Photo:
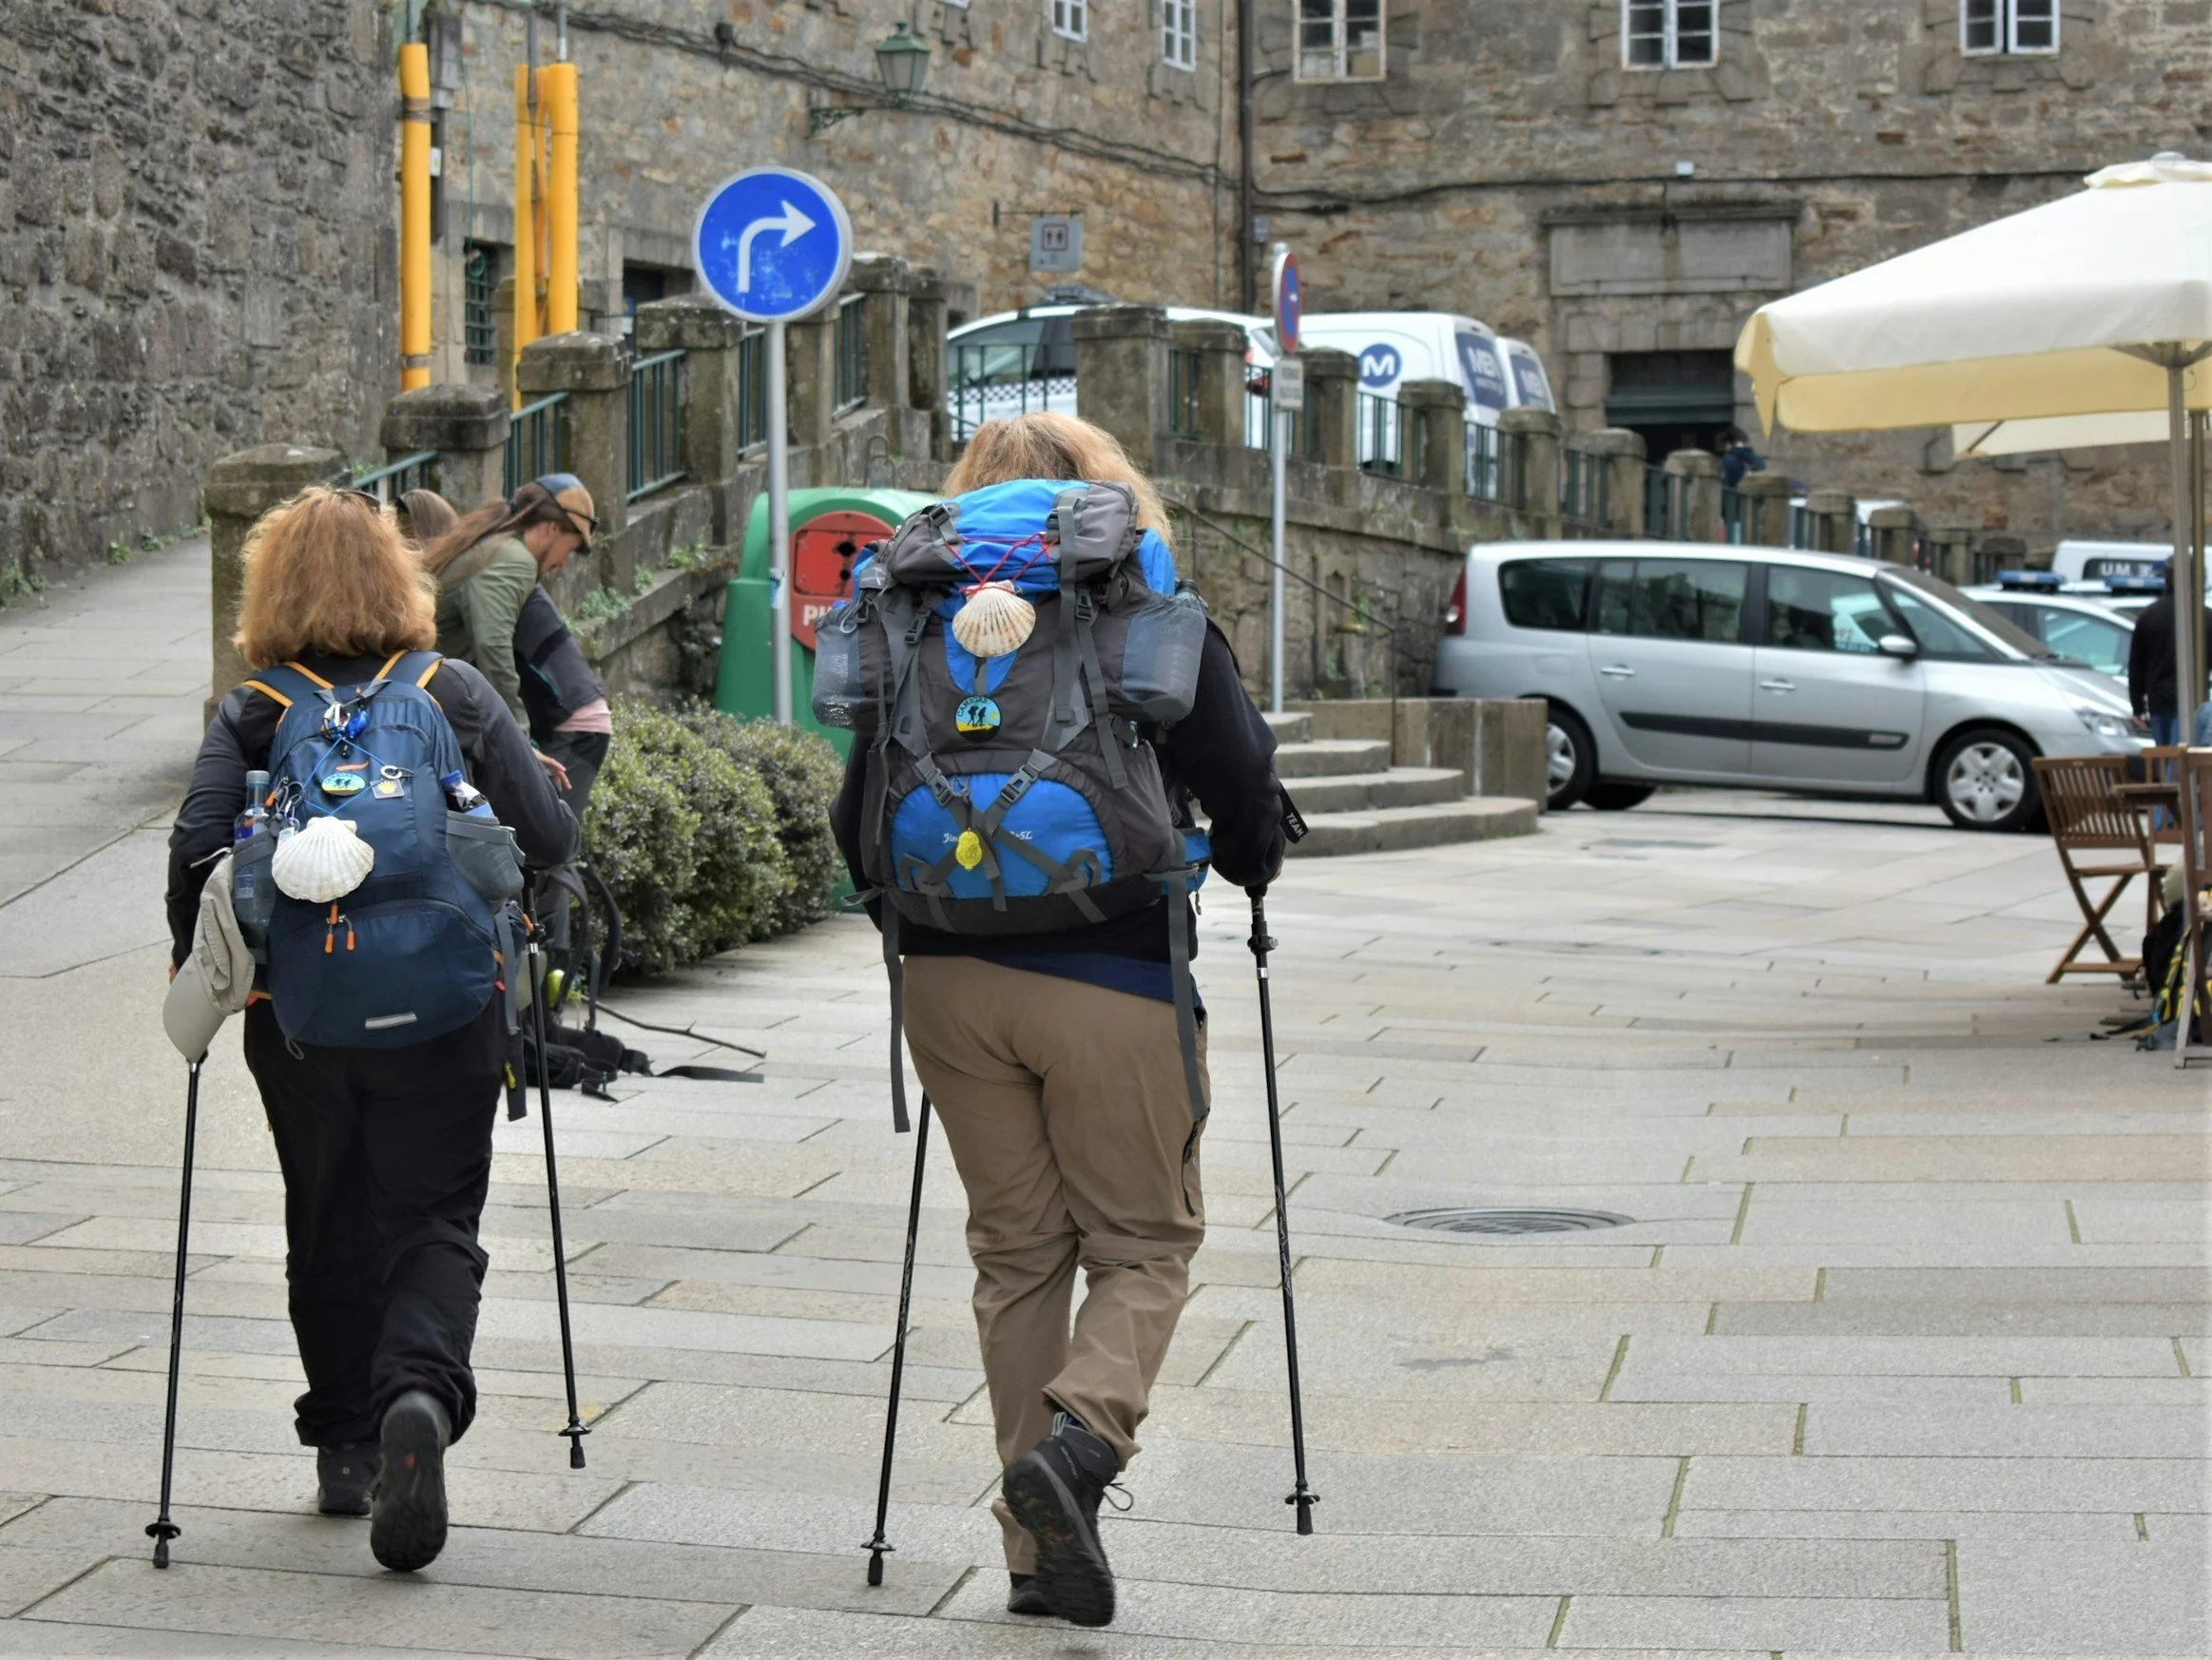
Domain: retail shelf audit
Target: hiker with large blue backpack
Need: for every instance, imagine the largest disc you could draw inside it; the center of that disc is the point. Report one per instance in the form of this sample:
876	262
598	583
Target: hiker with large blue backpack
1035	700
373	861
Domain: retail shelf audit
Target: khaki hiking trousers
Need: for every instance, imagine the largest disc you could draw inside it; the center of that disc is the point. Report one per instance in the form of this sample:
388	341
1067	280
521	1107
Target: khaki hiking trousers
1067	1114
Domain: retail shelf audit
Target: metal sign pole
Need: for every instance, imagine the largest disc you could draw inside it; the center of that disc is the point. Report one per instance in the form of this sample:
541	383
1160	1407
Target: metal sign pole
779	527
1281	419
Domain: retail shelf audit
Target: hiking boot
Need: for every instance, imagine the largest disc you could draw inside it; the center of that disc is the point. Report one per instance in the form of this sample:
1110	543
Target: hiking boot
1028	1596
408	1529
344	1477
1054	1491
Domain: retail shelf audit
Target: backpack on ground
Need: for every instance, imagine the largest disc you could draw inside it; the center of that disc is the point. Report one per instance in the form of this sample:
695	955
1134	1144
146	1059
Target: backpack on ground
415	950
1008	657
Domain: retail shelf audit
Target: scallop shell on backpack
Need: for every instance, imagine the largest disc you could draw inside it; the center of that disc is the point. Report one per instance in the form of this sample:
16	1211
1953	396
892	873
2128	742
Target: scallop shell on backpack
994	620
327	860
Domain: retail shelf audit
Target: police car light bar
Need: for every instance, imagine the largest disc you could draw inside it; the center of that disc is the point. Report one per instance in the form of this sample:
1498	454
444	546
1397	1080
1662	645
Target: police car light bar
2040	581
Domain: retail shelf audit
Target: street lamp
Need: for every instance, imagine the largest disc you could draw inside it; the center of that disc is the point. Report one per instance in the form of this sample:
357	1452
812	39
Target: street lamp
902	62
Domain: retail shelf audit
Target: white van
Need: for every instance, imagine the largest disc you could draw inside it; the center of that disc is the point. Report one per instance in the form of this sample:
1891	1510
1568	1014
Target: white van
1391	346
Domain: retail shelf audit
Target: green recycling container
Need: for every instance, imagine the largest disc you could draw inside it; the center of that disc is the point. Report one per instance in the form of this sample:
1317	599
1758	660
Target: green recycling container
829	526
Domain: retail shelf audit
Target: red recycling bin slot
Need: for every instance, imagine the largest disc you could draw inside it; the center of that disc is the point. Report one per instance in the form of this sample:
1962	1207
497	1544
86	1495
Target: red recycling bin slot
823	551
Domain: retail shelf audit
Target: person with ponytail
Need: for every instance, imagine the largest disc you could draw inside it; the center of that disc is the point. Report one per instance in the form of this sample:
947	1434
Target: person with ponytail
493	612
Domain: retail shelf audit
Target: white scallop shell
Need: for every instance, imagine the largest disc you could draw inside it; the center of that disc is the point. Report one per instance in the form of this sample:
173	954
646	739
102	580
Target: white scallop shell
327	860
994	620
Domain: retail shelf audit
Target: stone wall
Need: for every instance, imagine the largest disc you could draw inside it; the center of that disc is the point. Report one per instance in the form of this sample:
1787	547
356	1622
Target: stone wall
1014	122
195	252
1509	167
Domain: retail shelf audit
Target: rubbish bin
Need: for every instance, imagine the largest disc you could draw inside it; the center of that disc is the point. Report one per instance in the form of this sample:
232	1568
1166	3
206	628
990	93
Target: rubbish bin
829	526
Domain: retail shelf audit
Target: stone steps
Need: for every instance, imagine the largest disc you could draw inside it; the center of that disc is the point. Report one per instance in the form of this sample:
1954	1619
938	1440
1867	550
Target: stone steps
1400	787
1396	829
1355	801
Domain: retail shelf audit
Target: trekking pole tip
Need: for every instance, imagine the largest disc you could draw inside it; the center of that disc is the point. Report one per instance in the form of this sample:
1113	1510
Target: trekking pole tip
162	1531
875	1563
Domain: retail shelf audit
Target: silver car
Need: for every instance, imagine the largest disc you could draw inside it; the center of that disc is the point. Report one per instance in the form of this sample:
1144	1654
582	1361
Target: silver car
1770	668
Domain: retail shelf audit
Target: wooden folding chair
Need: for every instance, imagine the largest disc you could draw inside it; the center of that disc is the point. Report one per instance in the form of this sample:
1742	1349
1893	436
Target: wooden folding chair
2196	782
2088	816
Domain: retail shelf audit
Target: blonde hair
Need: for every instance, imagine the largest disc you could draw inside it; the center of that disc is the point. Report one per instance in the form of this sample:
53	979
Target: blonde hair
426	516
1045	445
327	573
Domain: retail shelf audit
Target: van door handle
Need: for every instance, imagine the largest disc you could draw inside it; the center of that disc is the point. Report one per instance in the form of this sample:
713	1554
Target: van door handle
1618	670
1778	685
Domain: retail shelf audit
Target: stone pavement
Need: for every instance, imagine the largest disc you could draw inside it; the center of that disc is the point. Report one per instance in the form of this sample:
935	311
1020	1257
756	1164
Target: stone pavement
1900	1351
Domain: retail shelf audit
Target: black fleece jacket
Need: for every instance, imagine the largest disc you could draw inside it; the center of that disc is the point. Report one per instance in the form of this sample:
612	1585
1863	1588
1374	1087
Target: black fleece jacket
1223	752
2153	682
498	757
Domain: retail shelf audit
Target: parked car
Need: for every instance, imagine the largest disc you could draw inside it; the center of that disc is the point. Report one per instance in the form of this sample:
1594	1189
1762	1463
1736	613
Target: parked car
2082	626
1770	669
1016	361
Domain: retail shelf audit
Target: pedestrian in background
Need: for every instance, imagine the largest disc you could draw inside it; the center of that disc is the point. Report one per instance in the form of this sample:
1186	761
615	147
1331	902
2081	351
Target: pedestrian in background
1054	1062
494	612
1737	457
2153	682
386	1152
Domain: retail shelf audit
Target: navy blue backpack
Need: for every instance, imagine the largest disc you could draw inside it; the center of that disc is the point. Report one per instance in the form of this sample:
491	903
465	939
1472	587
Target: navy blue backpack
412	952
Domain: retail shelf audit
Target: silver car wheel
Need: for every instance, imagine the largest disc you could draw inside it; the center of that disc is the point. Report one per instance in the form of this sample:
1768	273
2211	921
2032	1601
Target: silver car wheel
1559	758
1986	781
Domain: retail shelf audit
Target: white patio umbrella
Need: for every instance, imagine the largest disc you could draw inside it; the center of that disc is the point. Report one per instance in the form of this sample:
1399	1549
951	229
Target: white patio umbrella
2096	305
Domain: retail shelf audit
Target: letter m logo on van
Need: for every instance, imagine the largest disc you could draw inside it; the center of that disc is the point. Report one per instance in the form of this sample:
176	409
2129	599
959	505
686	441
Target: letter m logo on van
1378	367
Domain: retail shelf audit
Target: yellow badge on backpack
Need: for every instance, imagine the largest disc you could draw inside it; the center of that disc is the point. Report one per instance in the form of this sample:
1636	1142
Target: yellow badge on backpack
968	851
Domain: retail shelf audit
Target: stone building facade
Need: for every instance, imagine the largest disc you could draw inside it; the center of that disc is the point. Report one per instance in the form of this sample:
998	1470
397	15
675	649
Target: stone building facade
1130	129
196	248
1623	181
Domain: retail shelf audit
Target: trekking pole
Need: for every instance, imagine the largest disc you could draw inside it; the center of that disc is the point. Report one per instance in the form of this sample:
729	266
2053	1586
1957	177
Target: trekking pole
162	1529
577	1429
878	1545
1301	1495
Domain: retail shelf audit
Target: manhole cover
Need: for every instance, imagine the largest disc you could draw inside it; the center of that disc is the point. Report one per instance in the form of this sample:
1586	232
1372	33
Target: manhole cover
1509	1221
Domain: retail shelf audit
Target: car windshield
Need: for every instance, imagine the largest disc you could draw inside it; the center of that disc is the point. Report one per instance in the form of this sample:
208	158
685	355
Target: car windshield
2007	634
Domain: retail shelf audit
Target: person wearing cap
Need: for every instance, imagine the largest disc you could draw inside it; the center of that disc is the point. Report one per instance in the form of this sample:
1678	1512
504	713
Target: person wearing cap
494	612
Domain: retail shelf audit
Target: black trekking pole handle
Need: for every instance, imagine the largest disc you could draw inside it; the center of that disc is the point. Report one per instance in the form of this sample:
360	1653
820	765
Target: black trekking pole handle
577	1428
1301	1495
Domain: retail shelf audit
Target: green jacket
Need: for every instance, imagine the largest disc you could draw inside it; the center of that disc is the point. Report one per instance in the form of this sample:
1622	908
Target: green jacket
480	596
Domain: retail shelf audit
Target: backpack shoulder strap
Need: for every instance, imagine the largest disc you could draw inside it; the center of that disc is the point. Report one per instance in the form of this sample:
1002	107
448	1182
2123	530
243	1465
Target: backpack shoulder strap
286	684
413	668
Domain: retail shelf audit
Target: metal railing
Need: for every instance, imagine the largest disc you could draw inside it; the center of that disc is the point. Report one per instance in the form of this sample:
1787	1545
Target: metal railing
1586	494
537	442
1380	445
656	399
1493	465
752	388
1184	369
394	479
850	388
997	382
1667	505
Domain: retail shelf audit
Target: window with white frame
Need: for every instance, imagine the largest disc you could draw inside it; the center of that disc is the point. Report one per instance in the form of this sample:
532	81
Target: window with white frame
1340	40
1072	19
1669	34
1179	33
1994	27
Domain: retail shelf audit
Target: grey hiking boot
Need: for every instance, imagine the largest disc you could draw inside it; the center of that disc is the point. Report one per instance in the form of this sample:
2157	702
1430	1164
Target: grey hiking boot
1053	1490
1027	1596
344	1477
407	1526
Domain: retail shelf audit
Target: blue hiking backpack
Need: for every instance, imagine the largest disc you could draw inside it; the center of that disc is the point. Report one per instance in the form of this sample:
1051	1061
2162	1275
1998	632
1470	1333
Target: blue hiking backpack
412	952
1014	789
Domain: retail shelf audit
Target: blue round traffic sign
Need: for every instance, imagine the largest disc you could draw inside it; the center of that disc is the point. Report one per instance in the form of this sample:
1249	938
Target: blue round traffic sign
1289	307
773	244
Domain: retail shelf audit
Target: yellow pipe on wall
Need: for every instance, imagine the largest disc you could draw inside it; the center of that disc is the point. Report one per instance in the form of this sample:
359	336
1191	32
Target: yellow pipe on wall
525	228
413	216
557	97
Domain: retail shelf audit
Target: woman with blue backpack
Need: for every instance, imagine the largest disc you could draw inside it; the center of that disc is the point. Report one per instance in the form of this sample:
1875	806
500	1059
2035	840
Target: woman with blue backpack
367	871
1035	698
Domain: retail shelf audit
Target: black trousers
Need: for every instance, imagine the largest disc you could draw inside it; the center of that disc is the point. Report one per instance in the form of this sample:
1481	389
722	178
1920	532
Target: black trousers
583	754
387	1157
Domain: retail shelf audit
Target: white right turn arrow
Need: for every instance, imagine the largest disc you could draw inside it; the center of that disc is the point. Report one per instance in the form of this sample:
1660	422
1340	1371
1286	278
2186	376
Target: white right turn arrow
792	222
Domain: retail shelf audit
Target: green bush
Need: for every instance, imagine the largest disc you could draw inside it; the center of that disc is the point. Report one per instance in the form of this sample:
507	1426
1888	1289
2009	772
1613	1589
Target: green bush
710	831
802	773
